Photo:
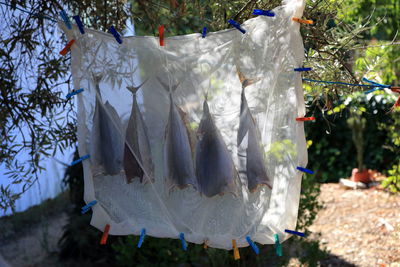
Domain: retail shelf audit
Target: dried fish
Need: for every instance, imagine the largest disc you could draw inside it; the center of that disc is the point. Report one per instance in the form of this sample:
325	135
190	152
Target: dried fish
137	147
179	169
255	165
107	142
215	171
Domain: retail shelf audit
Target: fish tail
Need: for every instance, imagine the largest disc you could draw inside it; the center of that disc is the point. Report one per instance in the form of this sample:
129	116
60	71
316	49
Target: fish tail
134	89
167	87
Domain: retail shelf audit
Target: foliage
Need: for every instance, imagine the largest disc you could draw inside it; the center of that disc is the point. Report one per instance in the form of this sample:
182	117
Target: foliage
392	182
33	101
383	16
16	225
357	125
331	153
33	121
80	241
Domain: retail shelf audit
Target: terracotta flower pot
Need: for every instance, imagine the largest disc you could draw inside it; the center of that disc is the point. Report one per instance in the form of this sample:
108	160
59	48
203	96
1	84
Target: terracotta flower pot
363	176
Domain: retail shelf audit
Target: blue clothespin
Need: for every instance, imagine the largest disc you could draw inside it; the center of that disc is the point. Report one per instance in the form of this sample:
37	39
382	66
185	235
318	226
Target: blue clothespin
278	247
66	20
79	24
302	69
304	170
253	245
79	160
295	233
237	26
204	32
261	12
141	239
88	206
74	92
378	86
114	32
183	241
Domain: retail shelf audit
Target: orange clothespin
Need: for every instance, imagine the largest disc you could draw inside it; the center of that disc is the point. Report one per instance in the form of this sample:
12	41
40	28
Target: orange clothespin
161	34
67	47
305	119
303	21
236	254
104	237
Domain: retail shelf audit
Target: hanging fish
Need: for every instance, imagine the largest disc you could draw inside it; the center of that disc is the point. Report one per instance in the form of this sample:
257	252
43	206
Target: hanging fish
137	153
179	169
107	141
215	171
255	165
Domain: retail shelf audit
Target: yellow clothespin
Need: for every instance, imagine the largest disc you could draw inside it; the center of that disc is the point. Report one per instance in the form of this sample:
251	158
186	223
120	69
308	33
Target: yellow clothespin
236	254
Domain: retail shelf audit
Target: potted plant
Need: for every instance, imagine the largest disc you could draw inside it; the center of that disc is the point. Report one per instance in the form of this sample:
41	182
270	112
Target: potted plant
357	124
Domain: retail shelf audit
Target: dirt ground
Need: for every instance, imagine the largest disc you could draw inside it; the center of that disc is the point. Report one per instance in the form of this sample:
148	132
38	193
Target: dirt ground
357	227
360	227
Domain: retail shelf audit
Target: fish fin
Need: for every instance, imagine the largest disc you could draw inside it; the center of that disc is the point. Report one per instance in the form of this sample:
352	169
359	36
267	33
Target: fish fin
134	89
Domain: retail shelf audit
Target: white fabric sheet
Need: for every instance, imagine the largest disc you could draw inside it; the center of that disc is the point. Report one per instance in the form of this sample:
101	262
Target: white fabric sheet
269	51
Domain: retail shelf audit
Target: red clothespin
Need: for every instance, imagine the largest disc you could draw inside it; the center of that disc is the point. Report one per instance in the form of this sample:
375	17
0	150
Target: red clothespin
305	119
161	34
104	237
67	47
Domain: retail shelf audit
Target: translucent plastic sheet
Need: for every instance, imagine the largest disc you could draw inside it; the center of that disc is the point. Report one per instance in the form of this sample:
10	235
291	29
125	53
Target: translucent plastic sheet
197	137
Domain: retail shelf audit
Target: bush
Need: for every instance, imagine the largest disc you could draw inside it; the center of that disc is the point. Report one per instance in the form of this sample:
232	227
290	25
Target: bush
332	151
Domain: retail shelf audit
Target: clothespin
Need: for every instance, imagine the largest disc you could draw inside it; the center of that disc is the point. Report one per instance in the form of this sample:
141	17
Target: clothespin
205	245
236	254
79	24
261	12
79	160
141	239
278	247
104	237
66	20
302	69
88	206
305	119
303	21
74	92
183	241
295	233
161	34
116	35
305	170
67	47
253	245
237	26
204	32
